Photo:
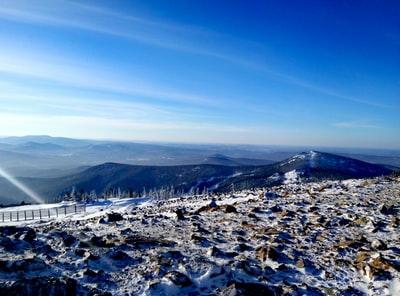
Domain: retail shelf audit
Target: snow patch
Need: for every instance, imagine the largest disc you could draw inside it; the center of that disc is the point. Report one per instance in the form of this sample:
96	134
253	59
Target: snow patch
291	177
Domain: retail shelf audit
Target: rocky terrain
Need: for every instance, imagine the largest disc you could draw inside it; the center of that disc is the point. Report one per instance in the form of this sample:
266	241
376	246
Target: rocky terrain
325	238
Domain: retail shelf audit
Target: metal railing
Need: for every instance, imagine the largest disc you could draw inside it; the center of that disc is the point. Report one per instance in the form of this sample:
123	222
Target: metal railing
41	213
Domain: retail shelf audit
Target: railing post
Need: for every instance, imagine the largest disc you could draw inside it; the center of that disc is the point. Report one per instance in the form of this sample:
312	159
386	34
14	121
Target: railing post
23	215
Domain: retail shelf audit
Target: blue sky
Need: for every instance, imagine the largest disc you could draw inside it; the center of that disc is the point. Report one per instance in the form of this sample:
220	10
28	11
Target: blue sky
315	73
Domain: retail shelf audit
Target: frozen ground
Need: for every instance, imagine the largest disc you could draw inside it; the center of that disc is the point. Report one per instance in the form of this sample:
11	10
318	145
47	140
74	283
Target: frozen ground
326	238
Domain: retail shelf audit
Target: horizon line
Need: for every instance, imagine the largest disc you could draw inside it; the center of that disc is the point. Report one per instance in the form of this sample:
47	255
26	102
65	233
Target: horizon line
204	143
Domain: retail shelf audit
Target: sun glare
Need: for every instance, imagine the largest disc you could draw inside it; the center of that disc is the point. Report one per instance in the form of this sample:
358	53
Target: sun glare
21	186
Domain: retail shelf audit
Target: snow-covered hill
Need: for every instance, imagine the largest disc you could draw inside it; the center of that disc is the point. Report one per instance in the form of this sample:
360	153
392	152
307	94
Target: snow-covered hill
328	161
305	167
325	238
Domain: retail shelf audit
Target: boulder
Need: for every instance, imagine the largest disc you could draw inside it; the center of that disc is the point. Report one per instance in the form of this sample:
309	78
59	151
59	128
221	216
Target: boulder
230	209
90	273
362	221
378	245
242	247
119	255
146	241
114	217
248	289
179	279
42	286
7	243
250	269
387	209
215	252
199	239
101	242
264	252
394	223
210	207
27	265
179	214
69	240
276	209
29	236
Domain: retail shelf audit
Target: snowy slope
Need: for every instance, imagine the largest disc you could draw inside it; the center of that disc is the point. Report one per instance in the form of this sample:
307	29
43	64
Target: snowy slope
315	159
325	238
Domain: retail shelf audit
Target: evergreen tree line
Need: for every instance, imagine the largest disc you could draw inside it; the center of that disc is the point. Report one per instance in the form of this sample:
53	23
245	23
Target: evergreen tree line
162	193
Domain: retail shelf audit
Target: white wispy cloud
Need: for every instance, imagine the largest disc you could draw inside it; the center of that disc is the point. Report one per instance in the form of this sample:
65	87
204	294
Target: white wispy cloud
355	125
162	34
112	128
156	33
95	77
336	94
294	80
104	21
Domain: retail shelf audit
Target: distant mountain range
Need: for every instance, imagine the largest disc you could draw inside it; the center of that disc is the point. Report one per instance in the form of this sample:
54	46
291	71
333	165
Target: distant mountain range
44	156
235	174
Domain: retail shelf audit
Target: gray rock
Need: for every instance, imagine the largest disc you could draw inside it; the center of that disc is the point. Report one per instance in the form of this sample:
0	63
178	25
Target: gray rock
378	245
43	286
146	241
250	269
7	243
29	236
230	209
248	289
114	217
27	265
179	214
179	279
387	209
69	240
264	252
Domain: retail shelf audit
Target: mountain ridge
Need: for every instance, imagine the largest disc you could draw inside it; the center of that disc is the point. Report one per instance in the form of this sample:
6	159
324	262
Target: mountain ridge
40	156
309	166
112	177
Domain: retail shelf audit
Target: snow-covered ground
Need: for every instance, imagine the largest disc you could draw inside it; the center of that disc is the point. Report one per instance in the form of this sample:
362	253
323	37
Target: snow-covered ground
326	238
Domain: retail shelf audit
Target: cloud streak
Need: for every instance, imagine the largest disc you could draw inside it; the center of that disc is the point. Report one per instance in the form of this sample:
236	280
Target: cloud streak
162	129
354	125
98	20
97	78
147	31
